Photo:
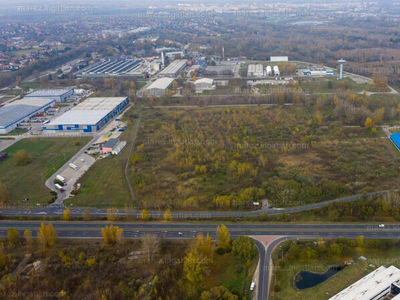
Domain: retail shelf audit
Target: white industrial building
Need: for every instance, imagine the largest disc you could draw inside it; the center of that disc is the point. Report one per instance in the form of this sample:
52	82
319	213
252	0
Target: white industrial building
278	58
14	113
204	84
60	95
159	87
255	70
173	68
90	115
375	286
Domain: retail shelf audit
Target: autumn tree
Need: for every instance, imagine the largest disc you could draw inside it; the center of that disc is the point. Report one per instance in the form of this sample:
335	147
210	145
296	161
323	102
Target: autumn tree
13	236
150	246
47	235
167	215
224	239
218	292
66	214
145	215
112	234
86	215
193	269
22	158
28	238
360	240
368	122
111	214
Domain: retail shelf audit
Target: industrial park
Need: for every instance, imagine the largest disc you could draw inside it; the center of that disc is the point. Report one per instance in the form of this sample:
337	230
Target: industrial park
198	150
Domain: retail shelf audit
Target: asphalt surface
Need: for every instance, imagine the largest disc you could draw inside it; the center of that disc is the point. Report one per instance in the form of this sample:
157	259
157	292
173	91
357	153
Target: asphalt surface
56	209
92	230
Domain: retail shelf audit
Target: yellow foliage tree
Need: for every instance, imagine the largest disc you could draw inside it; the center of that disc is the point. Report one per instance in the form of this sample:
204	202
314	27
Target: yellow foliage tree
47	235
368	122
145	215
66	214
224	239
112	234
167	215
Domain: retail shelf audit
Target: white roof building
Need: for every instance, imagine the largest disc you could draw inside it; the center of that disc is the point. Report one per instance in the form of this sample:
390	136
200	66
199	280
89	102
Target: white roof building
90	115
161	84
375	286
255	70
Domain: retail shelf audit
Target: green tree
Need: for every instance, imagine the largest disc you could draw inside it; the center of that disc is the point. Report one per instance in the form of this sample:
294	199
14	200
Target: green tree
22	158
13	236
218	293
244	247
224	238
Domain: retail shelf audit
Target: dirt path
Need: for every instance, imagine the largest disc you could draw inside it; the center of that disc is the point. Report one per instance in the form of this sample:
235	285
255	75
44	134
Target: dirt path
133	139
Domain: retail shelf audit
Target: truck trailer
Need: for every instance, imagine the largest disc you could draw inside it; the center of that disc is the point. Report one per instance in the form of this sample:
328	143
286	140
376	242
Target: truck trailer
73	166
62	179
59	187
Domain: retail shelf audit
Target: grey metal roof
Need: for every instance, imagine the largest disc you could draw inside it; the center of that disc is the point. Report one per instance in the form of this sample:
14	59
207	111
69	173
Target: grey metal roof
49	93
111	143
14	113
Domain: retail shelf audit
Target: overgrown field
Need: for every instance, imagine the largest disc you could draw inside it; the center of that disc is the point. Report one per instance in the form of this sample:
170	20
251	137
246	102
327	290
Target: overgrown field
83	269
227	158
47	156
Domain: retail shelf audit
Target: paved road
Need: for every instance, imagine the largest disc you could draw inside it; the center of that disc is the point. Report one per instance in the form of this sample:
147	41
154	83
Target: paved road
90	230
57	210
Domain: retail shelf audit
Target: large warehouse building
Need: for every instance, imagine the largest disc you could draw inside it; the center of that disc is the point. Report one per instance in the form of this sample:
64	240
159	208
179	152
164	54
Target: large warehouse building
255	70
60	95
21	111
159	87
173	68
377	285
89	116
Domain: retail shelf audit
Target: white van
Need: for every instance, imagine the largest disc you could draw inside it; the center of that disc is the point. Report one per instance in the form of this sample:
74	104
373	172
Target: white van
252	286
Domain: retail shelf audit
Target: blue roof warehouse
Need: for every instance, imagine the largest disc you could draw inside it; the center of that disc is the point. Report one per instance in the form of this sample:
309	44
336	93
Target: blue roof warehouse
90	115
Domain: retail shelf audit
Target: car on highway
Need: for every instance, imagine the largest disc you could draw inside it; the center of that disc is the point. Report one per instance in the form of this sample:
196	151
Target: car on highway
381	225
180	233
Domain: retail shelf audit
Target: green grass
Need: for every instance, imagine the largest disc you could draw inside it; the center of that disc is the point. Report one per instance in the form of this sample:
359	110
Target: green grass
230	272
16	53
104	184
336	283
321	85
140	84
31	85
48	155
17	131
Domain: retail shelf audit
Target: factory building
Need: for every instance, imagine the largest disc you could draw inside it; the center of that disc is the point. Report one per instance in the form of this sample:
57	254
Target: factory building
204	84
173	68
20	111
317	71
60	95
255	70
159	87
278	58
90	115
377	285
114	67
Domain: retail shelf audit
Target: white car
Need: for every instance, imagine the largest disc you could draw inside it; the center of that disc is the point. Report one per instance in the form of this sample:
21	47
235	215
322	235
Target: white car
381	225
180	233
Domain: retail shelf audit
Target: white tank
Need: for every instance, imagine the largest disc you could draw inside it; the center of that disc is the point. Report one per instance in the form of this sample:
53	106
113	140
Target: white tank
269	71
276	70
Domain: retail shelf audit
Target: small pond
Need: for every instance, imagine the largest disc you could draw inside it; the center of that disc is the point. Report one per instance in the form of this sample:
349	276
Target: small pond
305	279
